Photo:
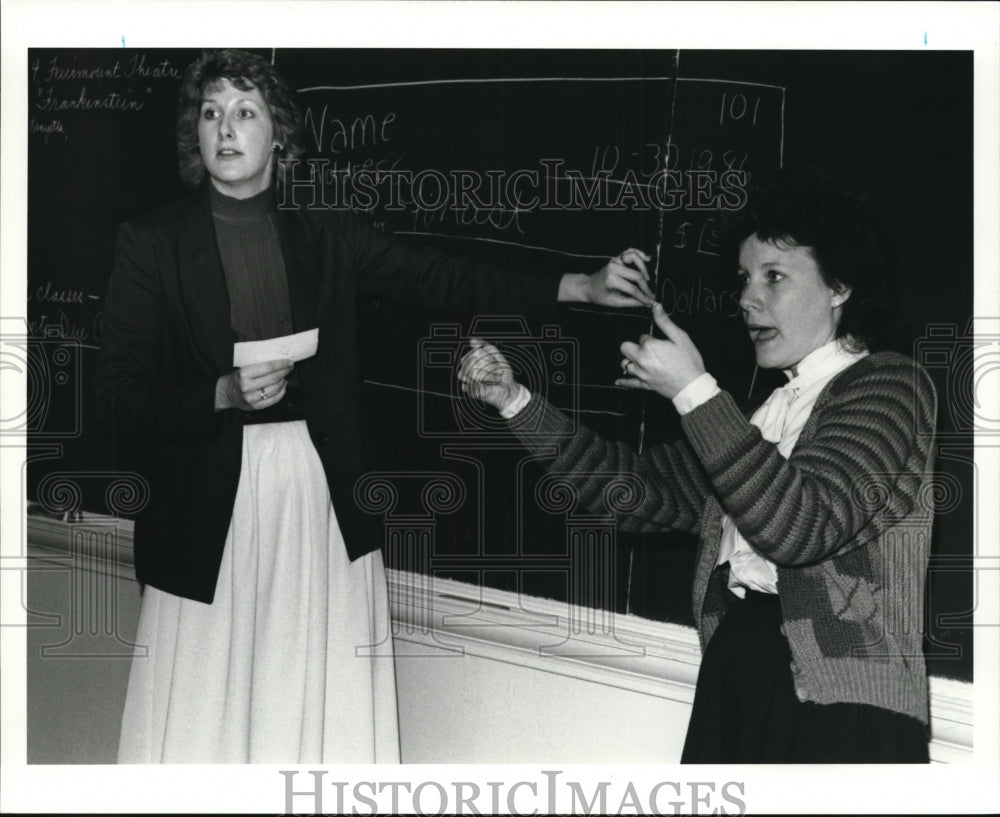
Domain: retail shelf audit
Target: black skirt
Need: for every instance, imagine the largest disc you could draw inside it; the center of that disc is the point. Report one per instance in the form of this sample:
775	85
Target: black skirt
746	711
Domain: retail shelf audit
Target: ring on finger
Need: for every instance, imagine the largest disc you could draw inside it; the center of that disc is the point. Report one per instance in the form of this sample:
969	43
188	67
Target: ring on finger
263	394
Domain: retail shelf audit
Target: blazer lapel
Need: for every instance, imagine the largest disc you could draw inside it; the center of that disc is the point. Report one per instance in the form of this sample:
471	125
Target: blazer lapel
203	284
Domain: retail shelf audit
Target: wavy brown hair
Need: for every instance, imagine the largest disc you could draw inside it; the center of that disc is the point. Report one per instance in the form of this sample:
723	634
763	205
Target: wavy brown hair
244	71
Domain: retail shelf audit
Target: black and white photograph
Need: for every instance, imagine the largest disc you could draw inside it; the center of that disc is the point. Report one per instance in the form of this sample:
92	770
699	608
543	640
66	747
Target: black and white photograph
500	408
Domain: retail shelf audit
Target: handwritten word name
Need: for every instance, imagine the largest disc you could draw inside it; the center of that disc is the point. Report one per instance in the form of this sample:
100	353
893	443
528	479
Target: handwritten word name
344	134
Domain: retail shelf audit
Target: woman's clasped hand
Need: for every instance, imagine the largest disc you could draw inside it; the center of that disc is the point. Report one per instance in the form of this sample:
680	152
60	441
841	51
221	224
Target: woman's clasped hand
254	387
485	374
664	365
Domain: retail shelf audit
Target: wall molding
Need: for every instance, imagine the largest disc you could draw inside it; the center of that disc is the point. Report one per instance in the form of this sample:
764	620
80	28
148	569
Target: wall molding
651	657
620	651
97	543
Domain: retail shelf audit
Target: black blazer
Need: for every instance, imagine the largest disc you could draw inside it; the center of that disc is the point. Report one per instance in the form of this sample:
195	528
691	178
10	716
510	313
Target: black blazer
167	339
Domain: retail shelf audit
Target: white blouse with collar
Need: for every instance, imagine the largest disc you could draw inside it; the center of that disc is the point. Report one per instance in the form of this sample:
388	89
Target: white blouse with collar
780	419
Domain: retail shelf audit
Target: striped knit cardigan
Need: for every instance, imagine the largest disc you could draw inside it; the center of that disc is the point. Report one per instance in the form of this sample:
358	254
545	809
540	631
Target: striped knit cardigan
846	519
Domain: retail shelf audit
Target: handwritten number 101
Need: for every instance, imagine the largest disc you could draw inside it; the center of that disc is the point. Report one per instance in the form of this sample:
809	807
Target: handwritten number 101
736	107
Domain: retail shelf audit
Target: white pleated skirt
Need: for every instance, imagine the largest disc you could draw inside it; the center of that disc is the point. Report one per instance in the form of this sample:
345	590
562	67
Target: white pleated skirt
292	662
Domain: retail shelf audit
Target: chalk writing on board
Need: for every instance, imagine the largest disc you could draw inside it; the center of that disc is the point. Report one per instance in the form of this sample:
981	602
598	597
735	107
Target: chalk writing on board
57	69
703	236
64	312
654	159
53	294
66	85
698	297
84	100
59	323
521	244
516	169
47	129
736	106
348	169
331	134
499	218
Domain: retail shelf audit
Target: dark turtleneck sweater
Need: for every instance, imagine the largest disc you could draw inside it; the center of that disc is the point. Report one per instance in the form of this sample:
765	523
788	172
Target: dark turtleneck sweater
246	231
247	236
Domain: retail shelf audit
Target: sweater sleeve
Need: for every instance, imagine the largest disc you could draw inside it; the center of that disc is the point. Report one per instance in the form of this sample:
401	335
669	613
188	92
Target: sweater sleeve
662	489
811	506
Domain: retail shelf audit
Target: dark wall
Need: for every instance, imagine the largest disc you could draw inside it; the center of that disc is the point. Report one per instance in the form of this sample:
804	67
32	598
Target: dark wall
516	126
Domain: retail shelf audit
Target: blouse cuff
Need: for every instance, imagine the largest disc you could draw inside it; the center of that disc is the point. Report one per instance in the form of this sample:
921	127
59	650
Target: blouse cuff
700	390
514	407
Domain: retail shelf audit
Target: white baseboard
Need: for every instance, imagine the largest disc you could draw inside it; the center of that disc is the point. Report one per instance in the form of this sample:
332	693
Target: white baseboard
618	651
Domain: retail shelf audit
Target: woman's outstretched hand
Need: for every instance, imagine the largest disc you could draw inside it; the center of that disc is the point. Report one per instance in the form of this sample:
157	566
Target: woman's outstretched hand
486	375
622	282
254	387
664	366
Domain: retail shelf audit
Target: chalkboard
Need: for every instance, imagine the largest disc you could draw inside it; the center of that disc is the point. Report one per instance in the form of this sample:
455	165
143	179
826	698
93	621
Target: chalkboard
566	158
100	150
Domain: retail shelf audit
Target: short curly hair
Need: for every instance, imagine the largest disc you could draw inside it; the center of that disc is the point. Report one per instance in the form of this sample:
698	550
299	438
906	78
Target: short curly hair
839	228
244	70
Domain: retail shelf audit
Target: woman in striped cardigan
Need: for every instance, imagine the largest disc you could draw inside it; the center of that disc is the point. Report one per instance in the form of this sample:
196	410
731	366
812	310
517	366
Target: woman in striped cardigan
813	513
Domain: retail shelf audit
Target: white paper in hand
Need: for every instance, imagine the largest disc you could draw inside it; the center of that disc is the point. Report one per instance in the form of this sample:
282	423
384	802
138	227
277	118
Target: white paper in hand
295	347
